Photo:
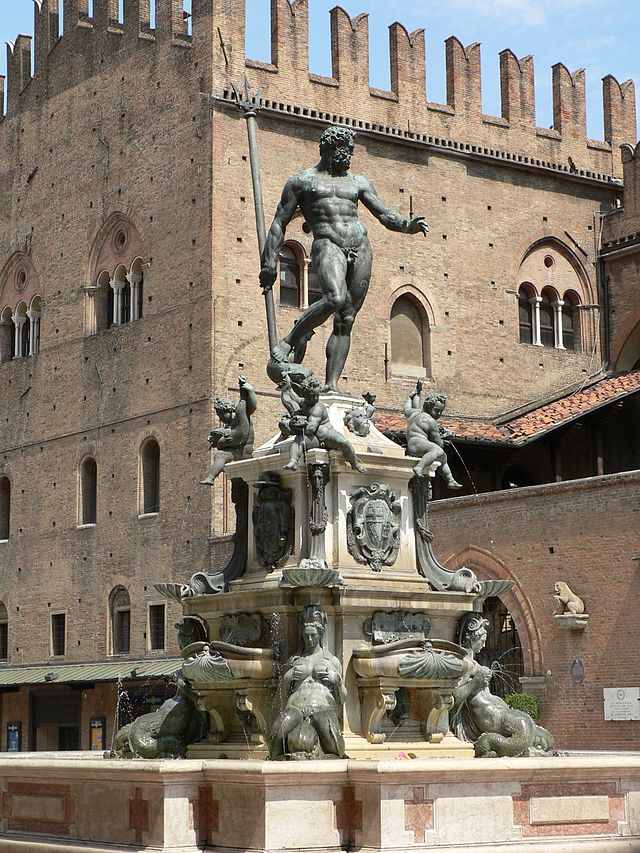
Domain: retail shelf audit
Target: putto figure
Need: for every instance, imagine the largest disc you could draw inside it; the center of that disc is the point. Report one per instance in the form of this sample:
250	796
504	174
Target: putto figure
328	196
425	438
234	440
310	424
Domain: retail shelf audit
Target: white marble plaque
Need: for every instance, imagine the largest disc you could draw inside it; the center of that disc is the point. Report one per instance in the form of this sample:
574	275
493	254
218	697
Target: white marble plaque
621	703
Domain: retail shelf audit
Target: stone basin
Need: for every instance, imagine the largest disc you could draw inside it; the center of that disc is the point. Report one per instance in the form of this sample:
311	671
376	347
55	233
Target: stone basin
443	659
206	662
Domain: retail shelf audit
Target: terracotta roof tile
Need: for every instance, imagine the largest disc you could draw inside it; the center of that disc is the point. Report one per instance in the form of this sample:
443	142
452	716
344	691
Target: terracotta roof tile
526	427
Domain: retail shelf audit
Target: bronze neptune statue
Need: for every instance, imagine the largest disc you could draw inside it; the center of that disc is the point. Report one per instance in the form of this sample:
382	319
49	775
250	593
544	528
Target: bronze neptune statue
328	195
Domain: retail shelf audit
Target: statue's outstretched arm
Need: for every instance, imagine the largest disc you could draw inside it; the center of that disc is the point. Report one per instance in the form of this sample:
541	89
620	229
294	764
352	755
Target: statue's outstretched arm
275	238
390	218
248	394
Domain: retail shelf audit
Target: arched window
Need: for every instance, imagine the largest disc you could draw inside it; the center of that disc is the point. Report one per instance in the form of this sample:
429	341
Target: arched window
290	277
120	615
5	508
525	314
21	331
7	336
121	296
136	280
570	321
4	632
88	491
547	319
102	306
409	336
503	650
34	313
150	476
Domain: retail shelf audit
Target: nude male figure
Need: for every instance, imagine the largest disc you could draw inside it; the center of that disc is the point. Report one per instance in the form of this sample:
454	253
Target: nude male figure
328	196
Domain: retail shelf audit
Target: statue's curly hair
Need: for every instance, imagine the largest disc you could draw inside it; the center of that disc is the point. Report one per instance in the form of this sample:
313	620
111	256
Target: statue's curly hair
434	397
471	623
223	405
335	136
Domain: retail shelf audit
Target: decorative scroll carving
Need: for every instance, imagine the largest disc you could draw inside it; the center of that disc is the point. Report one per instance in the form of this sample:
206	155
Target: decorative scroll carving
376	701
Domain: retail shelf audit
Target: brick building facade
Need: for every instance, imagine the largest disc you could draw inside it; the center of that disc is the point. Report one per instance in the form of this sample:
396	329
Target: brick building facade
129	298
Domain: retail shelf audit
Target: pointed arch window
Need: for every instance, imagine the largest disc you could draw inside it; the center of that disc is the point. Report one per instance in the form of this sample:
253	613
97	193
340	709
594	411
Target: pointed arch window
150	476
409	337
7	336
5	508
120	612
88	491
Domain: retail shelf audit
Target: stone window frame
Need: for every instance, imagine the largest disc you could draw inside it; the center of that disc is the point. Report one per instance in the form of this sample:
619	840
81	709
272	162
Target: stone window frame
20	329
54	615
87	492
117	624
4	632
153	644
149	481
549	295
5	508
115	298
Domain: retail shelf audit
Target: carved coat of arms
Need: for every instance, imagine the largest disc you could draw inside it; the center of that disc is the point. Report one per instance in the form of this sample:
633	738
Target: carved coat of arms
373	526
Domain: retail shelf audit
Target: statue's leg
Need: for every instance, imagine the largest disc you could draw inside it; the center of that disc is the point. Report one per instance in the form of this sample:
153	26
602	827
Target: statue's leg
328	728
220	459
355	281
330	265
334	441
295	452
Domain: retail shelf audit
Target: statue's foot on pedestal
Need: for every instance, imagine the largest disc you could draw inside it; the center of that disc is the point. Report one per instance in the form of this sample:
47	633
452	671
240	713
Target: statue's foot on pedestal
208	481
331	388
453	484
359	467
291	466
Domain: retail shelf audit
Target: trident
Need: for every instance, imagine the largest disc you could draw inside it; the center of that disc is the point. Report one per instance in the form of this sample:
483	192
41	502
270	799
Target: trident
249	104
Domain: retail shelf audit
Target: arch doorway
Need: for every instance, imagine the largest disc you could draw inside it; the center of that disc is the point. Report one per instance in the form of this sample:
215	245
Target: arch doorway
503	650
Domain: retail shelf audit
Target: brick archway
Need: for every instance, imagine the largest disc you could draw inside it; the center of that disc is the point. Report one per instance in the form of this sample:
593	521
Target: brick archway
488	567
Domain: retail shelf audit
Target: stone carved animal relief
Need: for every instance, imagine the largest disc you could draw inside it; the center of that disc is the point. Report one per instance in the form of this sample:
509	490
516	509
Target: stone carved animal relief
567	601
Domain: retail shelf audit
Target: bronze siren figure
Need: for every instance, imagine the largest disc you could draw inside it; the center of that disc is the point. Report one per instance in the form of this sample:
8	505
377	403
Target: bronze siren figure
328	195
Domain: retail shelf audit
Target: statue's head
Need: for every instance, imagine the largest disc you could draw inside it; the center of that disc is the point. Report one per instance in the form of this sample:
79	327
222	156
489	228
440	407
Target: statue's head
472	632
310	388
434	404
312	623
336	143
225	408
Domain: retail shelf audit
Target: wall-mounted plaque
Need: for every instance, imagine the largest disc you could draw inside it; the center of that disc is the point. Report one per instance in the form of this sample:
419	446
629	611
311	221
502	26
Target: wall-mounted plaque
387	627
97	727
621	703
14	736
577	671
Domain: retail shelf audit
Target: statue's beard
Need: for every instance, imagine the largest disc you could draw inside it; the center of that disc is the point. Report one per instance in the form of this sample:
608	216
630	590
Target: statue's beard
340	161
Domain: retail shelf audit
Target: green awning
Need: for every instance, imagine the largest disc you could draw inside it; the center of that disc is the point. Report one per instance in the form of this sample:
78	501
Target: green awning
84	672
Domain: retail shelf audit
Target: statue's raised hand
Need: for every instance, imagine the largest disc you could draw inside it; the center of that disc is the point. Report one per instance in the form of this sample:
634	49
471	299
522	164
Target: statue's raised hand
417	225
268	277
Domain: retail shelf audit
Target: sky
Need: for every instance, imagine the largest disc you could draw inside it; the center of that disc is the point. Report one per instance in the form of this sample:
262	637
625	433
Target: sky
599	36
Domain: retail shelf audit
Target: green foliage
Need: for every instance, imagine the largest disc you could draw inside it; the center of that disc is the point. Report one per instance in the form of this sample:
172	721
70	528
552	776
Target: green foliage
526	702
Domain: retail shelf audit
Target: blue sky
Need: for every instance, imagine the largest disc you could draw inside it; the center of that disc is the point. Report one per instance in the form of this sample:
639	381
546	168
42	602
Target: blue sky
599	36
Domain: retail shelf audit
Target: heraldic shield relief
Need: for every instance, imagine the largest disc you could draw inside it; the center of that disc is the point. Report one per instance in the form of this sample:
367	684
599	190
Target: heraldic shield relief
373	526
